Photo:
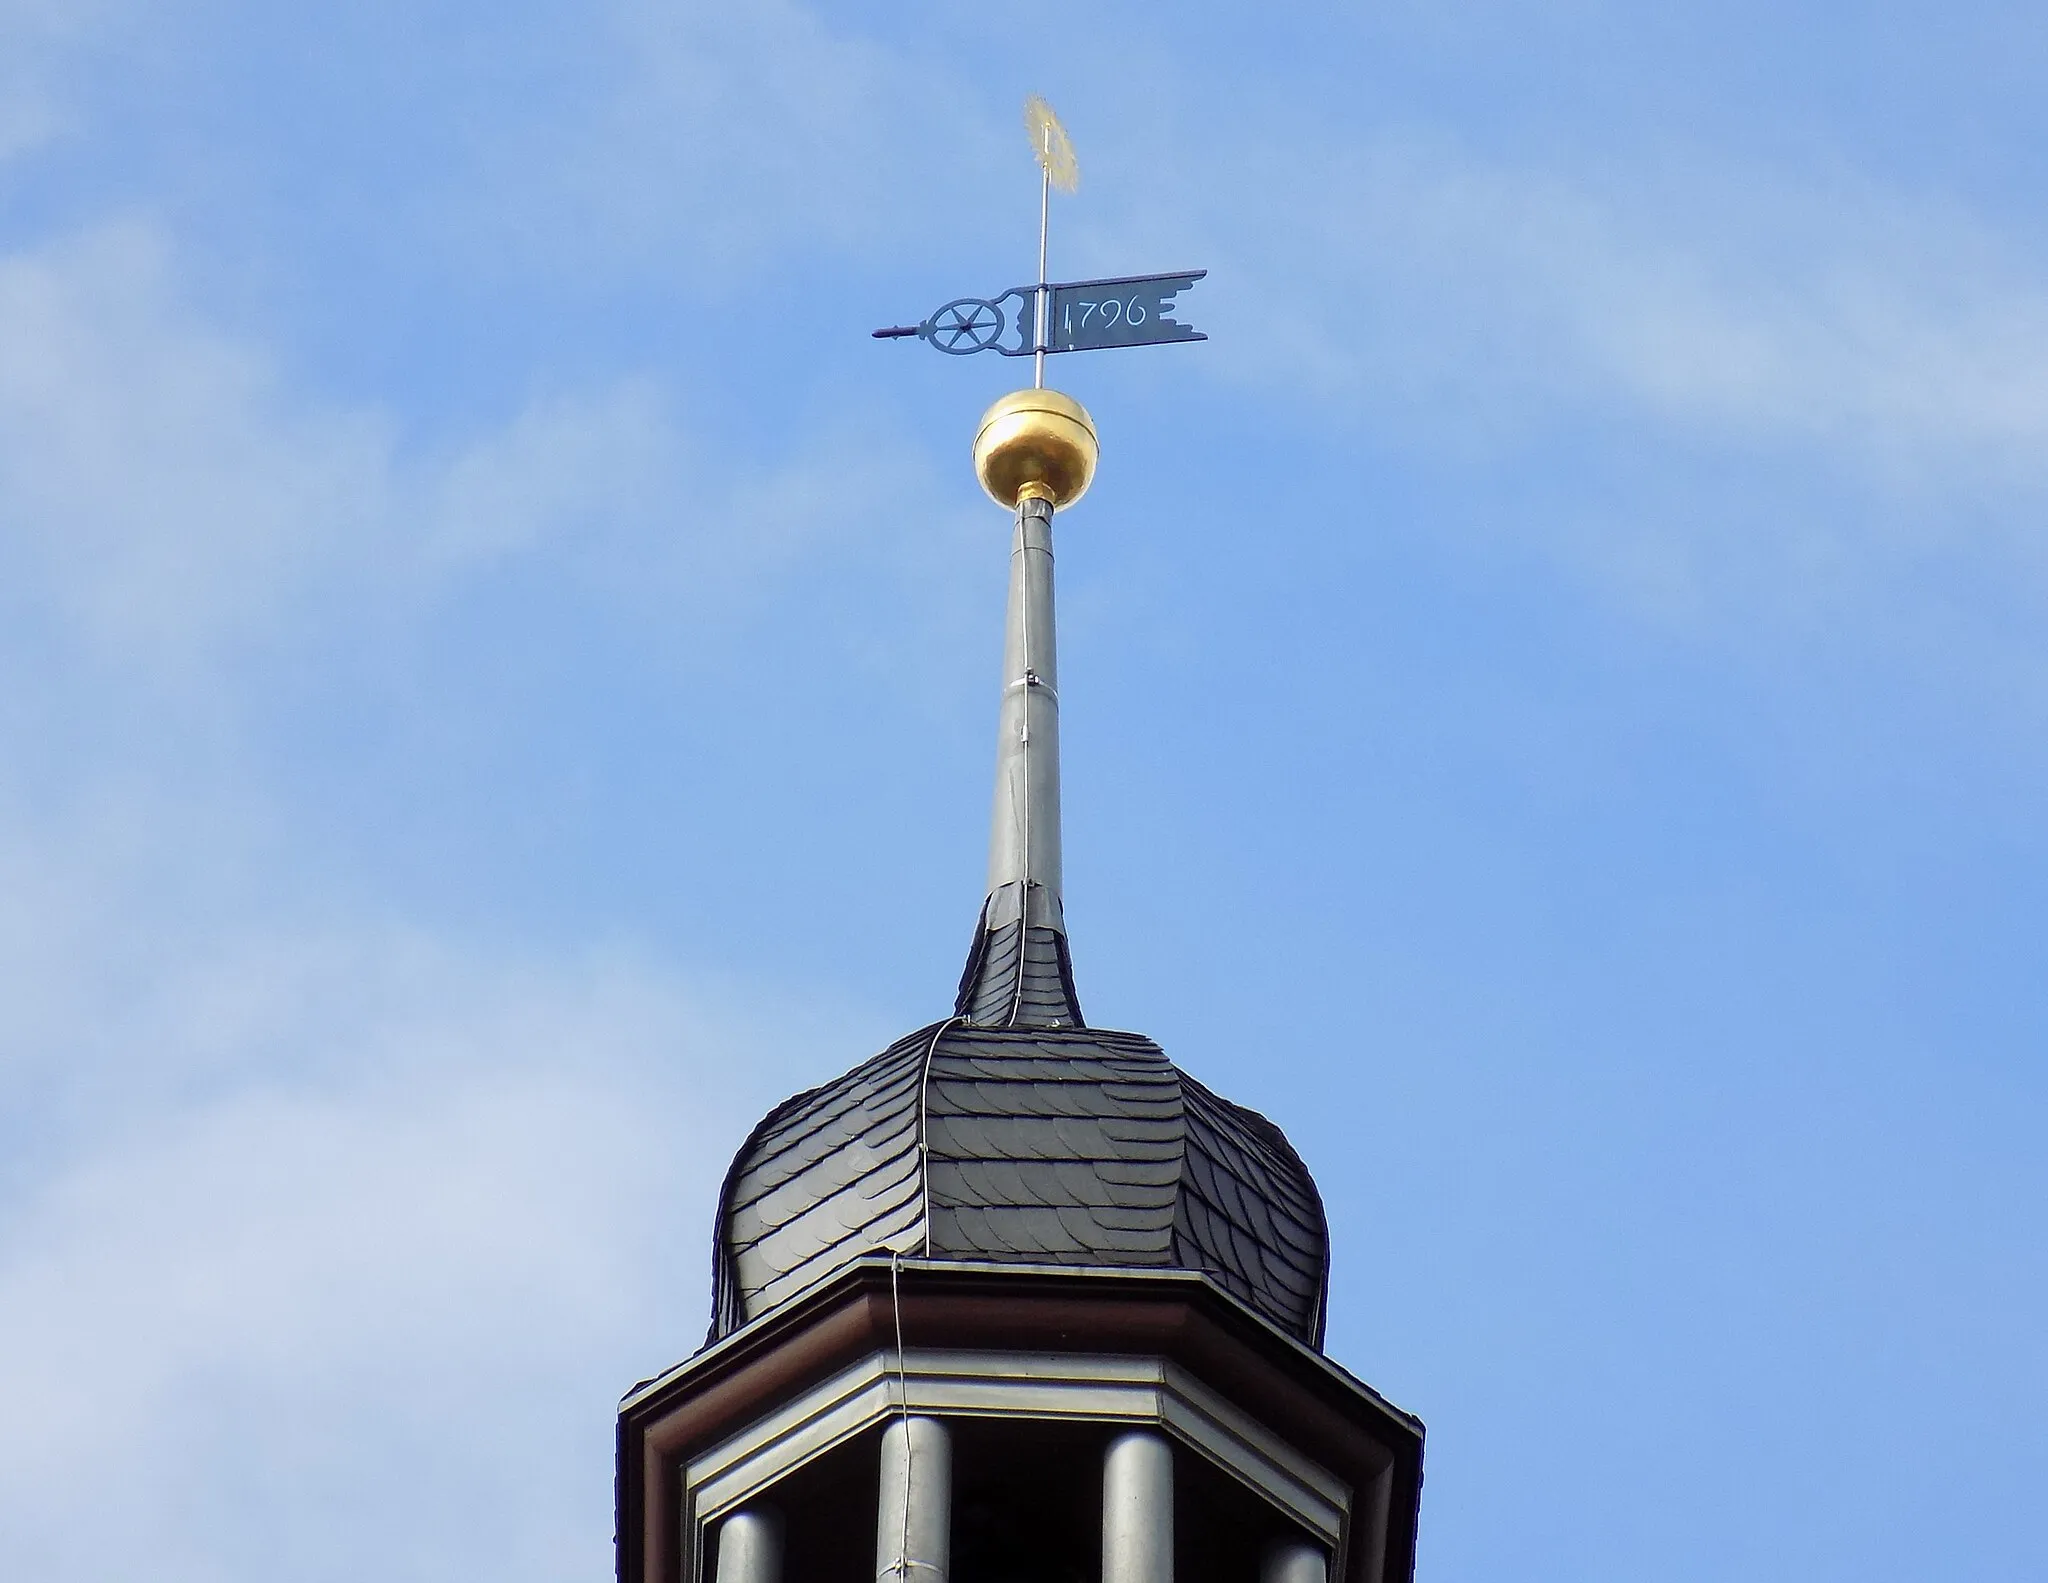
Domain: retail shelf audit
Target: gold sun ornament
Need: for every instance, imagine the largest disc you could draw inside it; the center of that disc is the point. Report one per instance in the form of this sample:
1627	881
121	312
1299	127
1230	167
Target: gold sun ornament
1050	145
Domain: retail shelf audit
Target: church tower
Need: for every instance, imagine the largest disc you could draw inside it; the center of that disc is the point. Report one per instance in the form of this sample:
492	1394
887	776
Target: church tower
1017	1300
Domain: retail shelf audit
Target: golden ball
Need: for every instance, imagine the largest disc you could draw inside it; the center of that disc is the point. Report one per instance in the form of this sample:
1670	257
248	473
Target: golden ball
1035	442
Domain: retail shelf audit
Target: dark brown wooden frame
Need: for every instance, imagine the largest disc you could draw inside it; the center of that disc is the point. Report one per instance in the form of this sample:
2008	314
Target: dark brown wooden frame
1298	1394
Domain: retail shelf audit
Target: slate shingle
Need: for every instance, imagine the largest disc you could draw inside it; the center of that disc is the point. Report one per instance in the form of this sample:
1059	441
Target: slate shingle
1014	1132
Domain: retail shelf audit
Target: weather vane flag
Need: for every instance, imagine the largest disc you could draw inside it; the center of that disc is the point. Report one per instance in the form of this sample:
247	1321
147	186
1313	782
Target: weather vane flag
1069	316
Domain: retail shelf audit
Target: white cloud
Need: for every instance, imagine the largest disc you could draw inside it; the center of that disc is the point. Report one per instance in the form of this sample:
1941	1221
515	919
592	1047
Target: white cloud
706	142
156	484
620	493
36	37
298	1200
315	1243
454	1271
1738	309
1742	403
371	1221
167	493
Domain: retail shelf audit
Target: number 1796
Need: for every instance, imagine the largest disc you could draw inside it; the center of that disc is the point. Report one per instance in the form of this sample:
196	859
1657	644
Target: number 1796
1113	311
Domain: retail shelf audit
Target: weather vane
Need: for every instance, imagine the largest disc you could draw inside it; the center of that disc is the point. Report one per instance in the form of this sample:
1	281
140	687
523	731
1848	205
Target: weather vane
1074	316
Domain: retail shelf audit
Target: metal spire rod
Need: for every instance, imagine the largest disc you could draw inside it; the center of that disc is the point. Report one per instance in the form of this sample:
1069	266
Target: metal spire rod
1054	151
1034	453
1024	865
1044	304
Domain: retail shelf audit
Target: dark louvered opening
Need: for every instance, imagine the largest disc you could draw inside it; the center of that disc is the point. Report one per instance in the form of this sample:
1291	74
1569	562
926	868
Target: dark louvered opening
1220	1527
828	1516
1027	1501
1027	1508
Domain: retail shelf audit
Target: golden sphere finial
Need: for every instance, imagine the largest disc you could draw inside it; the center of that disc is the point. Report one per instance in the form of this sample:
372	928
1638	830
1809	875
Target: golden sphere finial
1035	443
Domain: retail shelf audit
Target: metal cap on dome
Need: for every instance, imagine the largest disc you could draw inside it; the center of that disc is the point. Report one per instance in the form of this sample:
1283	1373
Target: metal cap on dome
1036	444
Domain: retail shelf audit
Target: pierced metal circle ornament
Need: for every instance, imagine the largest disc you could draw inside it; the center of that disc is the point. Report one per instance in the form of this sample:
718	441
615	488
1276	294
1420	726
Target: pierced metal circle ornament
965	325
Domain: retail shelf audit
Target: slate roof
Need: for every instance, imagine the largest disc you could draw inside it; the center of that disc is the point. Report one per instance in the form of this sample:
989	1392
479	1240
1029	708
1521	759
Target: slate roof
1018	977
1044	1142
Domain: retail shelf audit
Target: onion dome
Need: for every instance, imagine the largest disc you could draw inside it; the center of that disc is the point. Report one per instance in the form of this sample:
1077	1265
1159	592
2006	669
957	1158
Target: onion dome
1021	1143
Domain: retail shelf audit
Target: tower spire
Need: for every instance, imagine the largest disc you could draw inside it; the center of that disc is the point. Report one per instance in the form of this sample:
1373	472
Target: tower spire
1041	1238
1035	453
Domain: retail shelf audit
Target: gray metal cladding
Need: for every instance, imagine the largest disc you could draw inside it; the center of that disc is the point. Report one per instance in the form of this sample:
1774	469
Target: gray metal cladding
1041	1145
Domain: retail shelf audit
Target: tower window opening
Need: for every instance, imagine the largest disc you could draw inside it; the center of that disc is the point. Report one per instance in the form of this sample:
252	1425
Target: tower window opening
1027	1501
1221	1528
828	1515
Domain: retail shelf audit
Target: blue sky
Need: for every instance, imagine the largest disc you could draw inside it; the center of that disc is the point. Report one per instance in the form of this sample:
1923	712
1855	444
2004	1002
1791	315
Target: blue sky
497	683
